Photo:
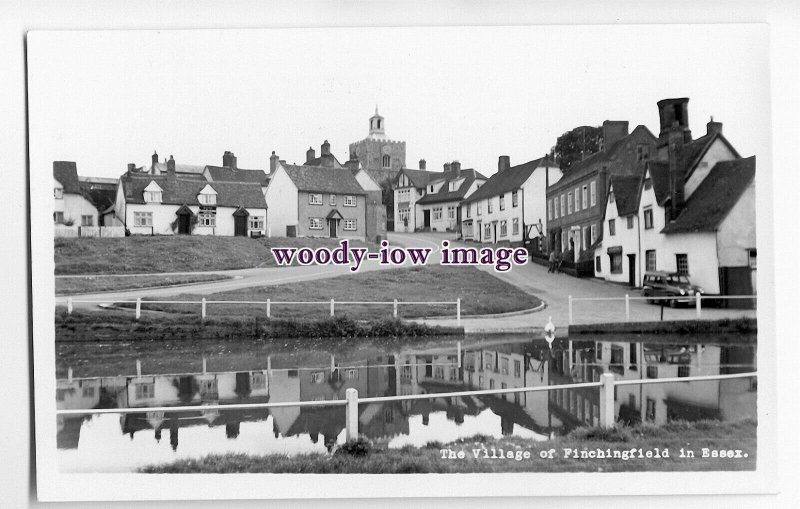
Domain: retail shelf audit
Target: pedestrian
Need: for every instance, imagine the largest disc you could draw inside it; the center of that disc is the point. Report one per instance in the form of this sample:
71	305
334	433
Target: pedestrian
552	266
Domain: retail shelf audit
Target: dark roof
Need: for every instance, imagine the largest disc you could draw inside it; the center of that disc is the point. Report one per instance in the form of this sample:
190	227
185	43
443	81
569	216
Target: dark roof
180	191
227	174
102	196
626	193
696	149
66	172
659	177
420	178
508	180
714	197
321	161
444	194
323	180
381	175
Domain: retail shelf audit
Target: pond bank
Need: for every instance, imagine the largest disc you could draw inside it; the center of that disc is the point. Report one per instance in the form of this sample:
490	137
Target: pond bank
722	326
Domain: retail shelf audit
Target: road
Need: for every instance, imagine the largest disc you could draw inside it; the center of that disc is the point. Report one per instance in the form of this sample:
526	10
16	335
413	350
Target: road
553	289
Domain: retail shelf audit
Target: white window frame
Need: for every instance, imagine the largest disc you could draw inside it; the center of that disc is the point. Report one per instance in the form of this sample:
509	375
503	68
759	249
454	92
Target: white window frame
549	209
479	208
685	258
58	192
585	197
317	377
612	227
489	207
87	220
58	217
593	233
569	202
593	192
315	198
207	216
629	220
152	196
502	200
514	199
467	209
563	205
515	226
314	223
204	198
256	222
142	219
487	231
503	228
332	200
451	212
647	213
577	199
350	224
349	200
647	265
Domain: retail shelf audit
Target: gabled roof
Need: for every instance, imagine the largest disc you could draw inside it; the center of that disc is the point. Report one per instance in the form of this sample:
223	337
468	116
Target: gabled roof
161	168
227	174
694	151
419	178
102	195
319	179
508	180
66	172
444	194
714	197
180	191
626	193
659	177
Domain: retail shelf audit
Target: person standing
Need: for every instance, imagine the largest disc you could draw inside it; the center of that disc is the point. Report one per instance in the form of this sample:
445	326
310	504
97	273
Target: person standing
552	266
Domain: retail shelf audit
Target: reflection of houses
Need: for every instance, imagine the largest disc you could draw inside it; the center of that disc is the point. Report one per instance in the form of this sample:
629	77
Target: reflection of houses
74	394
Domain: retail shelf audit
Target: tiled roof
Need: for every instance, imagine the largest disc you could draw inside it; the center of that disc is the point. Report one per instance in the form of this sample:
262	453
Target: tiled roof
381	175
696	149
319	179
180	191
319	161
659	177
626	193
161	168
226	174
101	195
66	172
714	197
444	193
508	180
420	178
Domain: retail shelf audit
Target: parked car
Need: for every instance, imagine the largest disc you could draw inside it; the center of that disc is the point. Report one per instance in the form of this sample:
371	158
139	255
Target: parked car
669	284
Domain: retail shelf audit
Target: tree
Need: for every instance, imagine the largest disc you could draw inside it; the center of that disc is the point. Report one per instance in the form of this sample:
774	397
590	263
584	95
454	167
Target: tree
574	145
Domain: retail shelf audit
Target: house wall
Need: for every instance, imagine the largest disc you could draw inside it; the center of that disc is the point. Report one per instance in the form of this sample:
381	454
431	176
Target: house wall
375	210
307	211
627	239
737	233
281	199
443	224
408	195
718	151
74	206
164	215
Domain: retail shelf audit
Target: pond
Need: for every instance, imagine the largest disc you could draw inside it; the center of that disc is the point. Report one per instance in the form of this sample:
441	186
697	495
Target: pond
181	373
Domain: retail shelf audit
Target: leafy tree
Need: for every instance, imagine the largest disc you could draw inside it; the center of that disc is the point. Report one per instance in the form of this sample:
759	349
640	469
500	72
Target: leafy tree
574	145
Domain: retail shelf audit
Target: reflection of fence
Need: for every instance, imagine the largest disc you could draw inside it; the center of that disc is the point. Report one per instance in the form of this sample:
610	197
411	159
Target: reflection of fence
695	300
351	401
269	303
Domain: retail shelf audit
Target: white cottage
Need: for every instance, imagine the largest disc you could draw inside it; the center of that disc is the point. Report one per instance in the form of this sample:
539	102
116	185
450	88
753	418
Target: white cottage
72	205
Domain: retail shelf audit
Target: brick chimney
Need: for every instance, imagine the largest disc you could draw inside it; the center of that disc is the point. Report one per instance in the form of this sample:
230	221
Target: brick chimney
446	167
713	127
131	168
613	131
325	149
675	140
456	167
422	164
171	167
310	155
671	111
154	159
229	160
503	163
273	163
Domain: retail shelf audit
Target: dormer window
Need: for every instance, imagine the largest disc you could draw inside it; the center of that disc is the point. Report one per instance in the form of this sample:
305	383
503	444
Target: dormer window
58	192
207	196
152	193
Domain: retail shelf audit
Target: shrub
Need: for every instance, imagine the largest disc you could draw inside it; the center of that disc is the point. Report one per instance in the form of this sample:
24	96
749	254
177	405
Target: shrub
358	448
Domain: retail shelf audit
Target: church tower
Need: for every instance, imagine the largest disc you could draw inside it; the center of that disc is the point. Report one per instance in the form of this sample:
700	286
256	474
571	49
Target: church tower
376	125
377	152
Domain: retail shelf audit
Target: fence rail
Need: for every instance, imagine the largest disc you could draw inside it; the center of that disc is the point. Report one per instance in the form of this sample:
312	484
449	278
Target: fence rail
203	303
606	384
696	299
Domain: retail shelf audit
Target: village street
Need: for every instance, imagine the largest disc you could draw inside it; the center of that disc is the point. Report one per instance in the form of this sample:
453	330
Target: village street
553	289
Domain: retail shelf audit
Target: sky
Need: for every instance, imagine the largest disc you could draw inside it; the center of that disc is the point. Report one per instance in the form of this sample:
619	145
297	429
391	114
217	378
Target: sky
107	98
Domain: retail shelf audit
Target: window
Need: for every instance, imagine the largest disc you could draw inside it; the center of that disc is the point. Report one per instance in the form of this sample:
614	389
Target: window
58	192
555	207
630	222
651	410
502	199
487	231
333	199
258	380
314	199
431	189
350	224
451	212
569	202
314	223
593	192
549	209
616	263
153	197
207	216
515	226
683	371
145	390
585	197
489	206
751	258
503	228
58	217
504	366
650	259
652	371
611	196
87	220
632	359
642	152
491	383
517	369
682	262
318	377
563	206
437	213
468	209
351	374
612	227
648	219
514	199
256	222
142	219
617	361
488	361
597	266
349	200
204	198
593	231
479	208
88	392
577	199
387	161
406	371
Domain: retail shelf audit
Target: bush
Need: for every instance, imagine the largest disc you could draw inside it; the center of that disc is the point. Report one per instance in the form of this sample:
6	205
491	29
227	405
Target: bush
615	434
358	448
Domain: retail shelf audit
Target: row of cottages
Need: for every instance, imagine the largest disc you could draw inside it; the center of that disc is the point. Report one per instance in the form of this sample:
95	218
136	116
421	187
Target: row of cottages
167	199
692	212
429	200
79	200
508	207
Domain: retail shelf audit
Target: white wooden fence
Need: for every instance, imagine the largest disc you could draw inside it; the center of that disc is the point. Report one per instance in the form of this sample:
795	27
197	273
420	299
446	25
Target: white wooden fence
88	231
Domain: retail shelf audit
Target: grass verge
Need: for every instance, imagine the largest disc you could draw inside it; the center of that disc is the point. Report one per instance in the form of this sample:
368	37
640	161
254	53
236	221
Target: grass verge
743	325
368	458
92	284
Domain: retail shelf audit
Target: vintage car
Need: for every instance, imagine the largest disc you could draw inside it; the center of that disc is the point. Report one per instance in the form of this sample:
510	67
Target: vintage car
669	284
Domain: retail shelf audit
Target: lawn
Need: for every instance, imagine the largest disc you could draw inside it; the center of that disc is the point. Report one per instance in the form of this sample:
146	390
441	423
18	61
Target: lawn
184	253
92	284
480	293
378	459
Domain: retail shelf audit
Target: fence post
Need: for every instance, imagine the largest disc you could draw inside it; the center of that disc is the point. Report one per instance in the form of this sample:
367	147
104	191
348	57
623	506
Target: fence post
458	346
138	368
69	305
570	309
203	309
204	365
69	374
697	304
627	308
332	307
458	311
351	419
395	308
607	400
269	311
138	307
269	364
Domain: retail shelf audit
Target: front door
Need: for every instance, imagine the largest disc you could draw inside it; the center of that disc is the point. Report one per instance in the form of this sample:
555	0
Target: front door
427	218
184	224
632	270
332	226
240	226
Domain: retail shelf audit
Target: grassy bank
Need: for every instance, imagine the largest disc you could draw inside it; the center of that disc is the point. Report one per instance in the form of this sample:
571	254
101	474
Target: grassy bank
165	253
92	284
378	459
726	325
480	293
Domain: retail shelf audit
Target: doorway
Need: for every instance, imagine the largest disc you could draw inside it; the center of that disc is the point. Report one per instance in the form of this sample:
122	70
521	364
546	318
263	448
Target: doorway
184	223
332	225
240	226
426	218
632	270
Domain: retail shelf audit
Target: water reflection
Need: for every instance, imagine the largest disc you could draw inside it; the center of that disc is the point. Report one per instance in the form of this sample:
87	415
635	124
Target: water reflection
95	443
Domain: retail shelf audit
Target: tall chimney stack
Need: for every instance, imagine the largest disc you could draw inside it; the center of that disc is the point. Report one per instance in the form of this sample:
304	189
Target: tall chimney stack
171	167
310	155
273	162
131	168
713	127
154	159
675	140
503	163
326	148
456	167
229	160
422	164
446	167
671	111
